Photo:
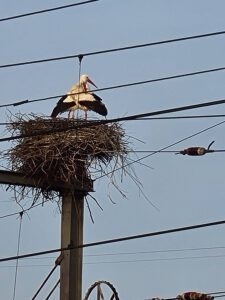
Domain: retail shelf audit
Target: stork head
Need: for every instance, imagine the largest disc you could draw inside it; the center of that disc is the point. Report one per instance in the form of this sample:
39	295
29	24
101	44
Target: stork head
84	79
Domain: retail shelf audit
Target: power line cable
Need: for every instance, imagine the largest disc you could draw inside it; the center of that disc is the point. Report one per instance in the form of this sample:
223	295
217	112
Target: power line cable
24	210
26	266
26	101
57	263
17	261
53	289
148	119
186	38
169	151
155	251
127	118
118	240
162	149
156	259
138	252
129	261
45	10
181	117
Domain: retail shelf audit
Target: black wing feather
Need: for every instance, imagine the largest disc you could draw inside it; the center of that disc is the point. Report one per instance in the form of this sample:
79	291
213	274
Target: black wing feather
61	107
97	106
97	98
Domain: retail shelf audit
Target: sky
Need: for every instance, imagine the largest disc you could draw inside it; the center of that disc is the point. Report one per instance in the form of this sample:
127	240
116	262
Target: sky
186	190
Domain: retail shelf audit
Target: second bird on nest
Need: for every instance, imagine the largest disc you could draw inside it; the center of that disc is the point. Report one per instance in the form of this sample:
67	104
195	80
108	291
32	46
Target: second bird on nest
79	97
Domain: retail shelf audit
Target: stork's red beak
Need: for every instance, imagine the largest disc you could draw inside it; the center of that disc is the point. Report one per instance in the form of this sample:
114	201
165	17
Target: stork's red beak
90	81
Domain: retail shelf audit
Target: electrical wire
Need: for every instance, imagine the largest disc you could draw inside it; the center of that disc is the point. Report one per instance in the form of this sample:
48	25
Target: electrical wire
117	240
151	119
127	118
57	263
148	119
154	251
125	85
129	261
23	211
181	117
186	38
17	261
138	252
26	266
168	151
156	259
45	10
162	149
53	289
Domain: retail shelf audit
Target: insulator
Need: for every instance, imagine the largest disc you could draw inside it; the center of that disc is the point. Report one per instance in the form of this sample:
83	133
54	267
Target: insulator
194	151
194	296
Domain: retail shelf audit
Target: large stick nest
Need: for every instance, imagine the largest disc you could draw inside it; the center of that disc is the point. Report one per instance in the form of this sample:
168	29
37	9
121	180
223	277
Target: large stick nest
80	150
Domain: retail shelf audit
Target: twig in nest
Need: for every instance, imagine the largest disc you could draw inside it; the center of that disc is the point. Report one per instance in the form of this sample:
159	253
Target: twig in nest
95	201
90	213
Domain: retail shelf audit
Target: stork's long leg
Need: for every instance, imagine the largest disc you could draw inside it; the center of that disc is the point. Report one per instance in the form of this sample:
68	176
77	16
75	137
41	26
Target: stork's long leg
85	115
69	114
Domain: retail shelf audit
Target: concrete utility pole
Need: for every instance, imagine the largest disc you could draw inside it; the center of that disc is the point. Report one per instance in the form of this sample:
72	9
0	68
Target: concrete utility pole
72	235
71	230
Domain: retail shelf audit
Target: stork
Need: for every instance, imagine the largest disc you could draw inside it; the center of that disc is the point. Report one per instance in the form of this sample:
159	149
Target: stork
79	97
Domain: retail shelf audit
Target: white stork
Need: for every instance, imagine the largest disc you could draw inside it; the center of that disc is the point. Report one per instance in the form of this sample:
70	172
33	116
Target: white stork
79	97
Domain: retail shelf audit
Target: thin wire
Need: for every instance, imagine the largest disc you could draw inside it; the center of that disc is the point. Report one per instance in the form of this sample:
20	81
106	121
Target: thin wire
26	266
26	101
169	151
45	10
128	118
117	240
155	251
155	259
138	252
162	149
53	289
115	49
148	119
57	263
25	210
223	292
181	117
128	261
17	261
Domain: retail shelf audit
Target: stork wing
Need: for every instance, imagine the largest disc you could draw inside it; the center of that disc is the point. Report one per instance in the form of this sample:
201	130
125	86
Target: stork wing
95	105
62	106
97	98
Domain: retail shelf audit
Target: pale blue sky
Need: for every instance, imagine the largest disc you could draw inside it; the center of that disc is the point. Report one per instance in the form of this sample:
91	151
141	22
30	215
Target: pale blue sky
187	190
